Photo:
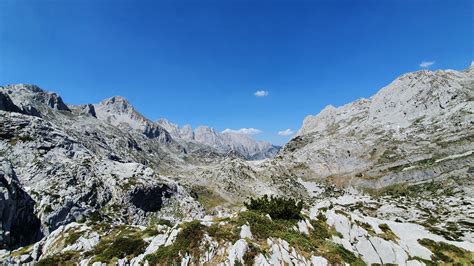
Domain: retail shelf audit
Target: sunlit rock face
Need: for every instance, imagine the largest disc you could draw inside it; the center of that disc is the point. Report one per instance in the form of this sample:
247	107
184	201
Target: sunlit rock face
416	128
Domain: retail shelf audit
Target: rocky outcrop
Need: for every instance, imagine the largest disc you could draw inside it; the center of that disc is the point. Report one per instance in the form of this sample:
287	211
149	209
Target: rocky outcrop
88	109
6	104
70	179
336	230
19	224
24	95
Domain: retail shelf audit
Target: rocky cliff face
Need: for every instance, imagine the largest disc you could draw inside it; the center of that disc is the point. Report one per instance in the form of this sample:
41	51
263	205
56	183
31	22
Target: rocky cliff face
19	224
417	128
72	166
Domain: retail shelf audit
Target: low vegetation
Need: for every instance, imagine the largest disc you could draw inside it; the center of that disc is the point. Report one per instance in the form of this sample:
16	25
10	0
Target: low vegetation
72	237
187	242
268	218
64	258
276	207
206	197
318	242
387	234
226	232
121	242
447	253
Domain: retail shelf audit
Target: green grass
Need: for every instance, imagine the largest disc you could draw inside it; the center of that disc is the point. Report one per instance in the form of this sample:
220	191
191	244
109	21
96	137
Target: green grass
72	237
317	242
447	253
387	234
366	226
208	198
187	241
65	258
252	252
222	233
121	242
152	230
21	251
336	254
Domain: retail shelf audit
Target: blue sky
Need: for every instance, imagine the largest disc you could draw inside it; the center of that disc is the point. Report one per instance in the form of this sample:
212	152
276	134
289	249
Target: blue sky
201	62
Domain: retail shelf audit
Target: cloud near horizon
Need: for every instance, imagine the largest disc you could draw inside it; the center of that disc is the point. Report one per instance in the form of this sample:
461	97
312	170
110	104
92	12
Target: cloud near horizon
261	93
246	131
286	132
426	64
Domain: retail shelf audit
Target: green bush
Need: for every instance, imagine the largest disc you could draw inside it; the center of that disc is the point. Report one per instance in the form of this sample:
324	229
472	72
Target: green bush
276	207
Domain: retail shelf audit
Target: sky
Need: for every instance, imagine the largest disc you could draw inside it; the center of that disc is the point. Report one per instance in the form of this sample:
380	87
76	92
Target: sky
257	67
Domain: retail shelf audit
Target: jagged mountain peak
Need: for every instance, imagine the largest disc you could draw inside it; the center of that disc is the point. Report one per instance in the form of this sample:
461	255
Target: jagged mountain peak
118	103
119	112
119	109
115	100
21	86
30	98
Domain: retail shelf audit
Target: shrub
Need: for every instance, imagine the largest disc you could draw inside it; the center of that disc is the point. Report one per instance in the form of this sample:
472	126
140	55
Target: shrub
276	207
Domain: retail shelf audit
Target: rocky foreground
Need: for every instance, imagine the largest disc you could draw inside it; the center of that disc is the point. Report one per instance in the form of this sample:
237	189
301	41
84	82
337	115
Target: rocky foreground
420	225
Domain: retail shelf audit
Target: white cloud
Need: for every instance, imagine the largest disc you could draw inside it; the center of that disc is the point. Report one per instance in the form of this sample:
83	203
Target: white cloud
286	132
261	93
246	131
426	64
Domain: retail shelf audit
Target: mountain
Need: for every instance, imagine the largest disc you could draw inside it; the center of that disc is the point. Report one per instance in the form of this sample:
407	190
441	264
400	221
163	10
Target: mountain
417	128
69	164
384	180
73	162
224	142
119	112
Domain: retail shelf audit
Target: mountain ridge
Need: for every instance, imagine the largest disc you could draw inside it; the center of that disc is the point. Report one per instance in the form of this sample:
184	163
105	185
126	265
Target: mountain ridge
224	142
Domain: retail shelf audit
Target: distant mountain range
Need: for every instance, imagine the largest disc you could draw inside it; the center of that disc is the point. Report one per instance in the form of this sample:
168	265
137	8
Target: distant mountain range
225	142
